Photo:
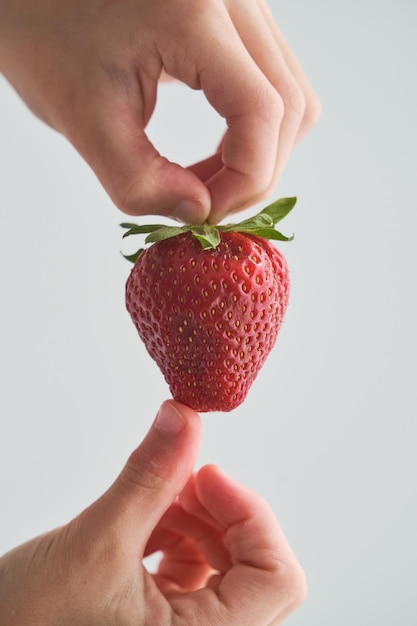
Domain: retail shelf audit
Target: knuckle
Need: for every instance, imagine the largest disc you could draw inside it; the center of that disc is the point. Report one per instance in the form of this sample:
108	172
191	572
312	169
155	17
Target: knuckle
312	110
142	475
293	582
125	194
300	587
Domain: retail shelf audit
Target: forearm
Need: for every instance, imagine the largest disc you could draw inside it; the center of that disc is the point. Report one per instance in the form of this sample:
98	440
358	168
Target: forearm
17	29
32	33
6	29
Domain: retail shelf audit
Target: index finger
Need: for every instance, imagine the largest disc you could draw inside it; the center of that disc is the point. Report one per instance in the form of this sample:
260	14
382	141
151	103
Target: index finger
265	580
218	62
253	110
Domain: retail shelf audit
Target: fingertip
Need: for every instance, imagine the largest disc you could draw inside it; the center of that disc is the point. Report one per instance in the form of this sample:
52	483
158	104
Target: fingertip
227	499
192	210
169	420
168	190
173	417
171	443
210	471
189	414
211	476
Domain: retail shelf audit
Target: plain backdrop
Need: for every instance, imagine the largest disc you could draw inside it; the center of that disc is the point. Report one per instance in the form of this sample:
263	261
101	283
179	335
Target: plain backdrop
328	432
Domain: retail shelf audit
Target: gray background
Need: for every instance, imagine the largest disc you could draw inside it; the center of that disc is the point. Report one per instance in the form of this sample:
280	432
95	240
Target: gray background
328	432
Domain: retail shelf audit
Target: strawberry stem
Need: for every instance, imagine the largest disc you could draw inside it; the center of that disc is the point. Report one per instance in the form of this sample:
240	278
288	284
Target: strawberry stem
262	225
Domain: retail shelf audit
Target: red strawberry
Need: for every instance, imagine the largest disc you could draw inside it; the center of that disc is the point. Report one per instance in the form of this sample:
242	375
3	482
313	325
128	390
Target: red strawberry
208	302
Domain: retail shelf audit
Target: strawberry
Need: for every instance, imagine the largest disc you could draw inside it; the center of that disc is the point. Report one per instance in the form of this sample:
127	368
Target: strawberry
208	302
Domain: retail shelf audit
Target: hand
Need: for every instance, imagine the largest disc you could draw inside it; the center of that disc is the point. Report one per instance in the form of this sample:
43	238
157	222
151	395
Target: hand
225	559
91	69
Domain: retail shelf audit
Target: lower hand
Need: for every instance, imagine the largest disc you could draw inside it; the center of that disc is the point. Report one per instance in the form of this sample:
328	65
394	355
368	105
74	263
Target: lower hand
225	558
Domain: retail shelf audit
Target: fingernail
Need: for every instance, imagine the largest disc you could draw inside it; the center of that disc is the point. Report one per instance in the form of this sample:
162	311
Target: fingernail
190	212
169	420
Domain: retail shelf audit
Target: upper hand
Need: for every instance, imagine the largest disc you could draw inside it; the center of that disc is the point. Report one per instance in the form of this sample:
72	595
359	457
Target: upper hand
225	558
91	71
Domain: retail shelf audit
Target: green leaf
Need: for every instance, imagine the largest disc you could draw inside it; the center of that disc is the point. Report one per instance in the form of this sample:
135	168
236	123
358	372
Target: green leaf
133	257
253	223
166	232
279	209
135	229
128	225
261	225
208	236
271	233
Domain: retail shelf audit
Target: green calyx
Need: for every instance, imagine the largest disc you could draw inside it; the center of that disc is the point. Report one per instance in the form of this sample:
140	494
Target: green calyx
261	225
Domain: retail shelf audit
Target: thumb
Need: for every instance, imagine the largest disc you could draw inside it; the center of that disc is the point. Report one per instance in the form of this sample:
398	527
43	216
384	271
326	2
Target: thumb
155	473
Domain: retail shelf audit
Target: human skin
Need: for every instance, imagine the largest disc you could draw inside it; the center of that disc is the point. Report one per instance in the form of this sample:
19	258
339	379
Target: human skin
225	558
91	71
